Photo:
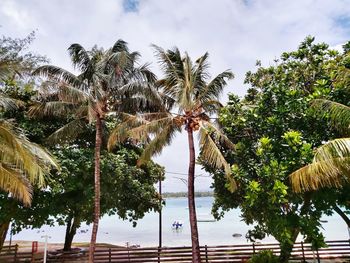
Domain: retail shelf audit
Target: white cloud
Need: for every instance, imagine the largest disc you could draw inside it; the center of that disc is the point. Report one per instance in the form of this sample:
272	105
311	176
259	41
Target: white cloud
235	33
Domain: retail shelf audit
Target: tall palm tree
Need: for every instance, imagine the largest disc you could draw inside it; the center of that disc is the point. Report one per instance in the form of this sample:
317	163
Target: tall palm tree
184	88
109	82
331	164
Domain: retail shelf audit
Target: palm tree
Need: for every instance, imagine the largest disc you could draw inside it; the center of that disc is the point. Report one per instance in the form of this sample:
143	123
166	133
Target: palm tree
109	82
184	88
331	164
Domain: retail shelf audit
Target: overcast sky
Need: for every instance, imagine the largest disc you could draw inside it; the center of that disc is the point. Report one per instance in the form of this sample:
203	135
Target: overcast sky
235	33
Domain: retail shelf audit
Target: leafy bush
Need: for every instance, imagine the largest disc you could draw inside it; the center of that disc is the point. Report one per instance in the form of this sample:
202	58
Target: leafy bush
264	256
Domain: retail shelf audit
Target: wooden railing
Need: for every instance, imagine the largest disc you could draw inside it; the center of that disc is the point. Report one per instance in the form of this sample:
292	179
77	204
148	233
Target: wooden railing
9	253
209	254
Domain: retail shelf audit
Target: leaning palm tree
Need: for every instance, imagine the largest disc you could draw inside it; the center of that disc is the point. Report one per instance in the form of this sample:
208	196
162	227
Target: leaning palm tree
22	163
331	164
109	82
184	89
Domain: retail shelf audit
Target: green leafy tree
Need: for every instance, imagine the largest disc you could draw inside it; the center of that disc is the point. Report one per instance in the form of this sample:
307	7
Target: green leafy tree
69	201
330	164
15	59
275	134
185	88
109	82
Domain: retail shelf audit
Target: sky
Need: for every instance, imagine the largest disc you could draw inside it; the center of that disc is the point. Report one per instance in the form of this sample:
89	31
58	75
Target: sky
236	33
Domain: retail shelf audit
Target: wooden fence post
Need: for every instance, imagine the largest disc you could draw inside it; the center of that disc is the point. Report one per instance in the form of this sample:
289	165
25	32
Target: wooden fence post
16	249
159	250
302	249
253	248
110	255
206	253
128	254
33	258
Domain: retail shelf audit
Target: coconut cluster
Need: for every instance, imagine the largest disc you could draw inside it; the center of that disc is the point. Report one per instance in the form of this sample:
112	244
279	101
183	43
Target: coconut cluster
180	120
194	123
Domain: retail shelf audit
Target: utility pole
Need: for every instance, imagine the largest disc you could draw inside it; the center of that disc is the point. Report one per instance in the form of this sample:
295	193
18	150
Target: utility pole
160	211
11	235
45	249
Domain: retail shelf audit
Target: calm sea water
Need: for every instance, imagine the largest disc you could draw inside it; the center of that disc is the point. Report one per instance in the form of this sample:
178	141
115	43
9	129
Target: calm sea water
116	231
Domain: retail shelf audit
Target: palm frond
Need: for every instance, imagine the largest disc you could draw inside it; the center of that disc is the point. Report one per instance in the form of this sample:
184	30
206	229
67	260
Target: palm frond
52	108
338	148
118	62
119	46
141	132
14	182
200	74
134	57
211	129
325	173
21	154
172	65
9	104
138	127
53	90
215	87
68	132
212	154
120	133
80	57
145	91
337	112
330	167
145	73
70	94
59	74
186	89
163	138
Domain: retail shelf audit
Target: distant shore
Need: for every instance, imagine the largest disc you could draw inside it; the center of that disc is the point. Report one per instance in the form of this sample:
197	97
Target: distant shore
184	194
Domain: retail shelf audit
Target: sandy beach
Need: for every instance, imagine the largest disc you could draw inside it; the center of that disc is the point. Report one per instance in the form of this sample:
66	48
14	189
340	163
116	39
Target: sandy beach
26	246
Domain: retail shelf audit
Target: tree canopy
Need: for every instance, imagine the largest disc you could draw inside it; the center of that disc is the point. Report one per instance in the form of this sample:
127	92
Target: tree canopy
275	133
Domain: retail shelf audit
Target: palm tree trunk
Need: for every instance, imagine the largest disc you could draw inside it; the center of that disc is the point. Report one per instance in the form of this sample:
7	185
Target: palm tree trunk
97	187
343	215
196	258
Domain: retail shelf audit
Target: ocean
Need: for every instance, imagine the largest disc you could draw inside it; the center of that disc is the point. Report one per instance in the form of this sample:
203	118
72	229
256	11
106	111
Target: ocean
113	230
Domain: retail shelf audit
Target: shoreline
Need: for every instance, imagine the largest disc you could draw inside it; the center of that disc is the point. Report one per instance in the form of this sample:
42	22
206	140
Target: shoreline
26	246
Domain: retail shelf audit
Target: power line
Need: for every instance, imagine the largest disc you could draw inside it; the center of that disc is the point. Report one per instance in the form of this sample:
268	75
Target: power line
176	173
180	173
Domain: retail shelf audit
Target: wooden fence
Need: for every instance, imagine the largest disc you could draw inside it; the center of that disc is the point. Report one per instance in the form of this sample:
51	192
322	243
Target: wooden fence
302	252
